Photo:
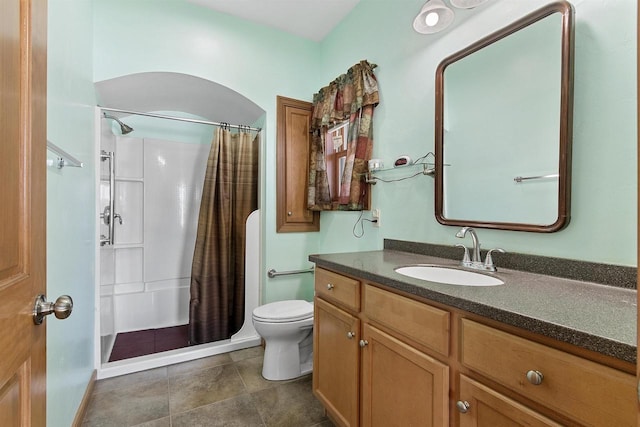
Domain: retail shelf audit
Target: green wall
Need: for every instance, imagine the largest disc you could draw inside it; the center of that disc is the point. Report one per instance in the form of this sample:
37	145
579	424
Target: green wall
603	223
93	41
258	62
261	63
71	231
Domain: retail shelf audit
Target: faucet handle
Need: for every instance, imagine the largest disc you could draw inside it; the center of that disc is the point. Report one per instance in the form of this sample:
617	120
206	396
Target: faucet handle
465	258
488	261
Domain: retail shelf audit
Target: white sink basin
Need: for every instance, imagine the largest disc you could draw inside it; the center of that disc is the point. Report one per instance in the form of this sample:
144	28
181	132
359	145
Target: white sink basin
449	276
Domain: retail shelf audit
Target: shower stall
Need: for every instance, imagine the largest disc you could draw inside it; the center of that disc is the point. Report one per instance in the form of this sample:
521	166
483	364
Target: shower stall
148	198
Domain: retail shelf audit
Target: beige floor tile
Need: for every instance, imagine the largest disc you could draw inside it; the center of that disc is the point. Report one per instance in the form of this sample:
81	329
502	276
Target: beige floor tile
129	406
251	372
198	364
222	390
200	388
289	405
238	411
136	378
162	422
247	353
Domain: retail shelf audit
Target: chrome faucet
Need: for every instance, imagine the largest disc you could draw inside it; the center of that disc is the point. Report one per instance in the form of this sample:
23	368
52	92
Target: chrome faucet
475	253
475	261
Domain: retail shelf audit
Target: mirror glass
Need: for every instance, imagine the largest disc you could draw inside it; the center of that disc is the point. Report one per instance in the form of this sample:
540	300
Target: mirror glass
503	127
336	158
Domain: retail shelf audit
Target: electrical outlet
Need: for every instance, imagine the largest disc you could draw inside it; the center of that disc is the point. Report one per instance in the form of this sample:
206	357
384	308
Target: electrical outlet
375	215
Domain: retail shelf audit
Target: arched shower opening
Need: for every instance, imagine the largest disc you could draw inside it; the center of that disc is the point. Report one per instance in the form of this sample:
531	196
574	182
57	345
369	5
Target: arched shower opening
143	275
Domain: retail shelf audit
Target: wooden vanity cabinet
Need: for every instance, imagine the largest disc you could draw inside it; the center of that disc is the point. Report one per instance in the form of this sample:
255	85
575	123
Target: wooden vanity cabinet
578	389
336	355
481	406
401	386
336	362
365	376
338	289
384	359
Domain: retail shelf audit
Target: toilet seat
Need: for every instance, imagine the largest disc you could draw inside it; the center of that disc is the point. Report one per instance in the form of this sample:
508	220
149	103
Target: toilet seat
284	311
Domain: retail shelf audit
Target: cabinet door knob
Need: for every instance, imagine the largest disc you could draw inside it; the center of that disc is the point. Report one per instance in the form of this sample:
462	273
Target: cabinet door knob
329	286
351	335
289	213
364	343
535	377
463	406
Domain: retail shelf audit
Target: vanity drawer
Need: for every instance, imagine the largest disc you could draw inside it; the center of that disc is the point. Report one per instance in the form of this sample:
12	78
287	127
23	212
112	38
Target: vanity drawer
337	288
583	390
417	321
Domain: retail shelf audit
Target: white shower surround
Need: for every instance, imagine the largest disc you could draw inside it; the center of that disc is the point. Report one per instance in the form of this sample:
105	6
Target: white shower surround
144	277
146	272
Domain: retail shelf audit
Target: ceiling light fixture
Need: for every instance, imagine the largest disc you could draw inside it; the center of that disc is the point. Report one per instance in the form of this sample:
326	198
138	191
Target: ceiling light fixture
466	4
434	16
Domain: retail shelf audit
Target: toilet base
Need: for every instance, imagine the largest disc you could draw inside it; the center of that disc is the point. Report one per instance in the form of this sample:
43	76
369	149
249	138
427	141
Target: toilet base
284	360
306	368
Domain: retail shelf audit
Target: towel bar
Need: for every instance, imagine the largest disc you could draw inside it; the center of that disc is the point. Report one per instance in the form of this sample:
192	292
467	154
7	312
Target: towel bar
64	158
526	178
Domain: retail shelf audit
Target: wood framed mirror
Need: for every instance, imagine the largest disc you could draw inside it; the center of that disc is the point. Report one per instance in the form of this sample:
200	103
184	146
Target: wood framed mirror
504	126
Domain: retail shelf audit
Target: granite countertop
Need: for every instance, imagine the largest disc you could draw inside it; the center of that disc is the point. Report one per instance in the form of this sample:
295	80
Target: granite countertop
596	317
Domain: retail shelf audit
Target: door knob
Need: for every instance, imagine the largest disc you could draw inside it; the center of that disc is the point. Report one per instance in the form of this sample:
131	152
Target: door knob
61	308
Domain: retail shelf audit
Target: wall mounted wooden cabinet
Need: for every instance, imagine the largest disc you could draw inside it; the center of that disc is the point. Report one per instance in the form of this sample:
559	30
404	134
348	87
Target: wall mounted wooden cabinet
292	151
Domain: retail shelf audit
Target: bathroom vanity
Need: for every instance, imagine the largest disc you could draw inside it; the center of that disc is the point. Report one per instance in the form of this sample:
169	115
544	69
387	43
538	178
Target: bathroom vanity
390	350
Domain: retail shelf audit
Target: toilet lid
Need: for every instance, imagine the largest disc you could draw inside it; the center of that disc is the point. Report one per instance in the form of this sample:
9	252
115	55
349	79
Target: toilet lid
281	311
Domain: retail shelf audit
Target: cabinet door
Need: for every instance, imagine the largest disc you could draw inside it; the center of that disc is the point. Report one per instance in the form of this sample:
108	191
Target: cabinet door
401	386
484	407
335	362
294	124
583	390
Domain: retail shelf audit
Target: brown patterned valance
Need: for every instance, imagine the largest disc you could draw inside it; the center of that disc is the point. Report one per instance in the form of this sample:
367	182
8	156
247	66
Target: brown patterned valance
352	96
348	93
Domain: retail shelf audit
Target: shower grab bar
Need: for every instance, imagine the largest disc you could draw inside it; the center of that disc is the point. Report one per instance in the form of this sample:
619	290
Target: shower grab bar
106	216
64	158
273	273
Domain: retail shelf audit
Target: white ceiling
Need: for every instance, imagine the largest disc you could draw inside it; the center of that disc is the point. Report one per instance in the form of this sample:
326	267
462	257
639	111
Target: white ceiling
311	19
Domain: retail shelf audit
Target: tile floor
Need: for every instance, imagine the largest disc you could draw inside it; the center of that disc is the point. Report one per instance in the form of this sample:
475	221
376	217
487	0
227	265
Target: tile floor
223	390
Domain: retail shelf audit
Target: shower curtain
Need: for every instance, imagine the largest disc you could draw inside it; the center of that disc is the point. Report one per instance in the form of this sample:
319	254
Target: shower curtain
230	194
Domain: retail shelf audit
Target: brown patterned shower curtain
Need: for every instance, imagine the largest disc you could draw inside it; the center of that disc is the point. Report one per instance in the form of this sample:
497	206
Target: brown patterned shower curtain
230	194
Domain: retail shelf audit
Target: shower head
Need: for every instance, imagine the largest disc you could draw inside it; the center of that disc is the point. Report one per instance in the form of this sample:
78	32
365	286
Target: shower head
124	128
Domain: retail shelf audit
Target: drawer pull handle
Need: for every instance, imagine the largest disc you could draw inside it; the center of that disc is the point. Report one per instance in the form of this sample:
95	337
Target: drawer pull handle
463	406
351	335
330	286
364	343
535	377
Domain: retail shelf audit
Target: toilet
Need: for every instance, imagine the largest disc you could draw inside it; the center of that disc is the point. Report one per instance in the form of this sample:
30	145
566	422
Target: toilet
287	329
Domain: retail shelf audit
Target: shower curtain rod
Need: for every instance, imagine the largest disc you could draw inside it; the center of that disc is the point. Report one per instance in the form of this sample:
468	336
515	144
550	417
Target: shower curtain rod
180	119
